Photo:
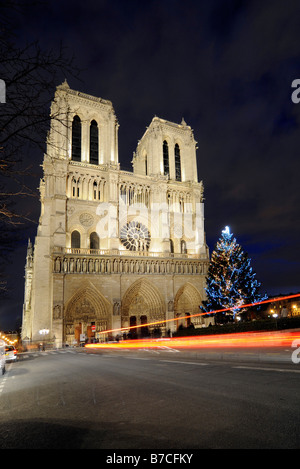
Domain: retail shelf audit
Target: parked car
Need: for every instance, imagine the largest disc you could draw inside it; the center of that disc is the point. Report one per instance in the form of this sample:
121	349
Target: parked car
2	357
10	353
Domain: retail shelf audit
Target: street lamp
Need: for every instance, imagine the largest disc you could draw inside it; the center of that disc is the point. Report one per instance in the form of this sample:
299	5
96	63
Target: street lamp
275	316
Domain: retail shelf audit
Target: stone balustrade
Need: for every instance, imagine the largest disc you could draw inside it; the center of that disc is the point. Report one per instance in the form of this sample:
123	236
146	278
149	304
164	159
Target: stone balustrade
97	261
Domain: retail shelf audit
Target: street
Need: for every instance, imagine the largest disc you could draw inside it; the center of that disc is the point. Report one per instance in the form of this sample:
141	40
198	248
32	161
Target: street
74	398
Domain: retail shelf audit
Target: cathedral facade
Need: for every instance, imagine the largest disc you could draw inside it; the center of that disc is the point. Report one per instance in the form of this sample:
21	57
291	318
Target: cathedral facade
114	249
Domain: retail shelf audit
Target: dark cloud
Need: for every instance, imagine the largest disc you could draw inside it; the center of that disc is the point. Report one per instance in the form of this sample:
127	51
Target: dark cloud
227	68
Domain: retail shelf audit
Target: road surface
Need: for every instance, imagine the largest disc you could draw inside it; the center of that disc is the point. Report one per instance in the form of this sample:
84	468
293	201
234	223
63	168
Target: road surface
78	399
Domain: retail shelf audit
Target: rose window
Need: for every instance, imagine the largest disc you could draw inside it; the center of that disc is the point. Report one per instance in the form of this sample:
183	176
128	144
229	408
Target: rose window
135	236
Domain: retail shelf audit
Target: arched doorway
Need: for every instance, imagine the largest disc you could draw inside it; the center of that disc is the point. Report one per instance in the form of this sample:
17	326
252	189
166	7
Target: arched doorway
186	303
88	313
145	329
142	304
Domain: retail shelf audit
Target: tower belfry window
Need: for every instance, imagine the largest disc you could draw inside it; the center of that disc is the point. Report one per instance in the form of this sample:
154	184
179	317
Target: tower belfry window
76	139
177	163
94	142
166	158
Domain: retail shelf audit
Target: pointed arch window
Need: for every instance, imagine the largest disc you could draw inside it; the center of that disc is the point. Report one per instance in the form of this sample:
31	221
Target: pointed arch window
123	194
75	240
172	246
166	158
177	163
94	142
76	139
94	241
74	187
95	190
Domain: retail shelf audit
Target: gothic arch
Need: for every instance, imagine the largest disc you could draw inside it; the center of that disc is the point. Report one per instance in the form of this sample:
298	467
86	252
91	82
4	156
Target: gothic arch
94	142
88	304
76	138
187	300
75	239
144	299
178	162
94	240
166	157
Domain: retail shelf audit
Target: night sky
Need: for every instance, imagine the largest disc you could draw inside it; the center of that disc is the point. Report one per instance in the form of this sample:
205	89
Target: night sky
226	67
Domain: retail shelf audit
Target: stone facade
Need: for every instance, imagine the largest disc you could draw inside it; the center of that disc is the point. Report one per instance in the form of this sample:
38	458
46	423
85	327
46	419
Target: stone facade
114	249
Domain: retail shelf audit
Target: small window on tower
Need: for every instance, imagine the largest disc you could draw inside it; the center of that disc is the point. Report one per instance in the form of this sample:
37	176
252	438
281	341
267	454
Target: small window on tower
74	187
94	142
78	187
177	163
76	139
166	158
95	190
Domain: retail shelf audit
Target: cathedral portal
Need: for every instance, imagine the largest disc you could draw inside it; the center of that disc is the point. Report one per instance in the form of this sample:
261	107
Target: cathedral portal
187	302
143	304
87	314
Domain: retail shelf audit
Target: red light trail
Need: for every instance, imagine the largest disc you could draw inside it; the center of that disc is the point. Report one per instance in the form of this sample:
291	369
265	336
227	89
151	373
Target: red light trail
235	340
238	339
202	314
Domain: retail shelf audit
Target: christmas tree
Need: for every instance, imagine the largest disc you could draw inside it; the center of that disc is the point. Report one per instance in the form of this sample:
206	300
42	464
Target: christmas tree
231	281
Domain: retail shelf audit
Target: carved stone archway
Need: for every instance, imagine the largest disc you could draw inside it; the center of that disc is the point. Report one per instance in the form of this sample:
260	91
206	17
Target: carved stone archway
142	301
88	312
187	302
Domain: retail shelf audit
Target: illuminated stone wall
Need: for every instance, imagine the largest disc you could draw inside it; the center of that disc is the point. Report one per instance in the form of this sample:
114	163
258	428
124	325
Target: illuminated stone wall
113	246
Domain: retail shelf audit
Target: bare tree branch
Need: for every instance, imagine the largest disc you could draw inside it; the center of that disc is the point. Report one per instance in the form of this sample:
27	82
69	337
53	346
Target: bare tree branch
31	76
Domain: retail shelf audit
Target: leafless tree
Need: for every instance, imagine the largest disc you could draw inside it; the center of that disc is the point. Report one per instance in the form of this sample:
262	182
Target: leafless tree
31	76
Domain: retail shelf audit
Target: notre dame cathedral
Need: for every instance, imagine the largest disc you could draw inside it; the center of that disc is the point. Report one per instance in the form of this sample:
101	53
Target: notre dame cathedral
114	249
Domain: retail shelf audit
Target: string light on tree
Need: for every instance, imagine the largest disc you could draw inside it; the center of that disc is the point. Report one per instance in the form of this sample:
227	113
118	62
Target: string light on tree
227	230
230	281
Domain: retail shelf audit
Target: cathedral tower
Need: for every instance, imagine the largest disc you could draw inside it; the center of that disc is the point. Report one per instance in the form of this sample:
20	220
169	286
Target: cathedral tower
113	248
